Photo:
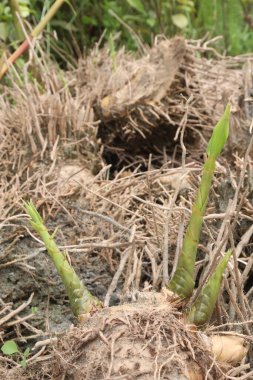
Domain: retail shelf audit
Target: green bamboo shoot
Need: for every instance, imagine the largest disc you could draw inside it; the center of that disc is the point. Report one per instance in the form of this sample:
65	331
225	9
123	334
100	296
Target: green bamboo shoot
81	300
182	283
202	309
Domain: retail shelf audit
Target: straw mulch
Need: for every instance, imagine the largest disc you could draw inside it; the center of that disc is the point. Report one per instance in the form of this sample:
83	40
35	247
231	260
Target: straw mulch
113	150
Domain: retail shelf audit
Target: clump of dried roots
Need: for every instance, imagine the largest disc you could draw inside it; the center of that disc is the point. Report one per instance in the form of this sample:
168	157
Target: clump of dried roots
147	339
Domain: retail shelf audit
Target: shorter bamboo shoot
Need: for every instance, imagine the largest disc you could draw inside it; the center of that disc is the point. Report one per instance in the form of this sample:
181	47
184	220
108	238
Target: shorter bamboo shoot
81	300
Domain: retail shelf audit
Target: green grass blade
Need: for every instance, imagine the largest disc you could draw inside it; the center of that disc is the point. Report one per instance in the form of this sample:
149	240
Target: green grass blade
81	300
182	283
202	309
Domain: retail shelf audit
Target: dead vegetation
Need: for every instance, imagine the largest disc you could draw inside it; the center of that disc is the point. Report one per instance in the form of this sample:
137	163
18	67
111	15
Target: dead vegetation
113	157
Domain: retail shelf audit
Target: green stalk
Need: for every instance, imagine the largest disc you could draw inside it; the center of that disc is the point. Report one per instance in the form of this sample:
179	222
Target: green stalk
81	300
202	309
15	11
48	16
182	283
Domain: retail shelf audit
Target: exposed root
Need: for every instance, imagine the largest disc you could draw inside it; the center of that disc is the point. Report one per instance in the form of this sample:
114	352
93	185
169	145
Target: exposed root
143	340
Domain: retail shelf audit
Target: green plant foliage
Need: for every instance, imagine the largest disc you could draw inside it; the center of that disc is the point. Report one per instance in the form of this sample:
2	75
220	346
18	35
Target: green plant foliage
234	22
233	19
182	283
7	25
9	348
25	356
205	15
202	309
138	5
34	309
179	20
83	22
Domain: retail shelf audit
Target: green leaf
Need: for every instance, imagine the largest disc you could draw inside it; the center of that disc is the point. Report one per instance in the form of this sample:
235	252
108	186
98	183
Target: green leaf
3	31
219	135
180	20
34	309
24	10
186	2
23	363
137	4
25	355
26	352
64	25
151	22
185	5
9	348
184	8
88	20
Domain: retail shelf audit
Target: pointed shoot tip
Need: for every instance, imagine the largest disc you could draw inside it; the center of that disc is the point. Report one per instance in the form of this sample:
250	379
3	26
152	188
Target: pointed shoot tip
220	134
